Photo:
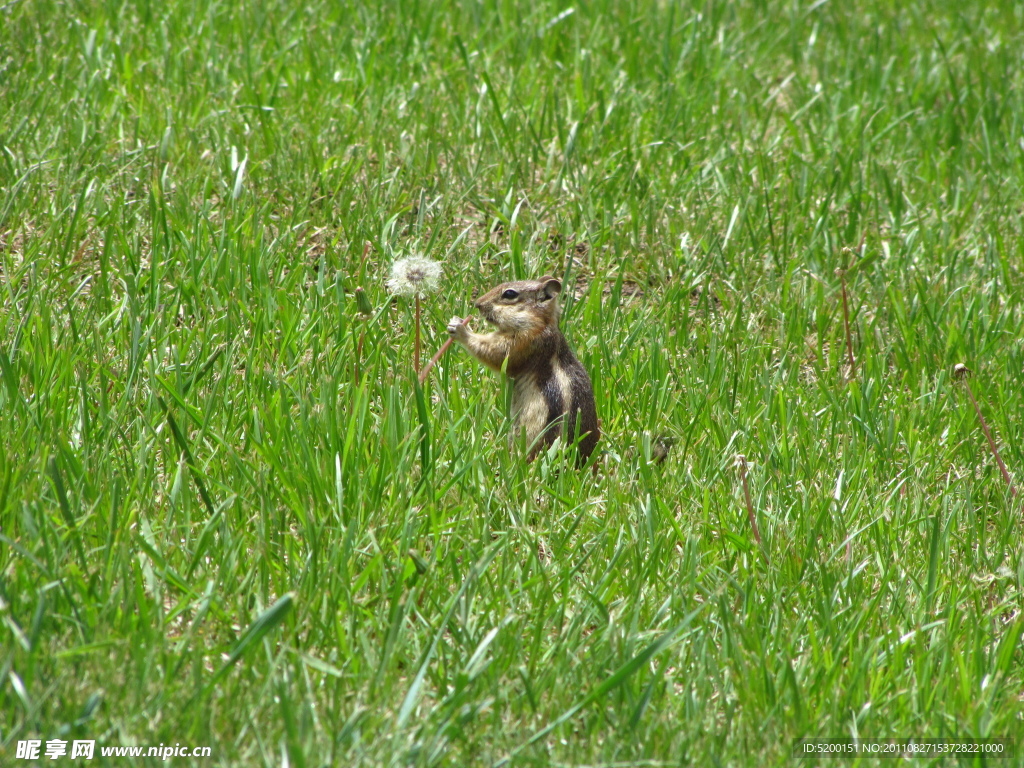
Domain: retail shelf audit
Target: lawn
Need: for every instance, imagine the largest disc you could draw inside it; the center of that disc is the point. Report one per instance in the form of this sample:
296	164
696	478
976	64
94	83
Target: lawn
230	518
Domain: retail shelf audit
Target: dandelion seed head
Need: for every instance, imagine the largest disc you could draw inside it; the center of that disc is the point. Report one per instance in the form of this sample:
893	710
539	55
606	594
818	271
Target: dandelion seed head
414	276
961	372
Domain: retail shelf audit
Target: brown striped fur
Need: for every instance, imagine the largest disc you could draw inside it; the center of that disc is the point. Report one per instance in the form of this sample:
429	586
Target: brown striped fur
551	392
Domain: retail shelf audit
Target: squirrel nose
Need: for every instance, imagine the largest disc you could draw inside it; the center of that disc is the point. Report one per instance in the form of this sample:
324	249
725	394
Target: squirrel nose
478	304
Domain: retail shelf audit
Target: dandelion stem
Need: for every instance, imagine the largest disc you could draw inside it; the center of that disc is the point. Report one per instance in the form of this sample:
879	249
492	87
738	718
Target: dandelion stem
416	354
433	361
359	353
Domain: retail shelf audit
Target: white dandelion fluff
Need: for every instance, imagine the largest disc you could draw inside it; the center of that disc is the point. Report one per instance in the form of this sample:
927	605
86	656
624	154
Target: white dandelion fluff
414	276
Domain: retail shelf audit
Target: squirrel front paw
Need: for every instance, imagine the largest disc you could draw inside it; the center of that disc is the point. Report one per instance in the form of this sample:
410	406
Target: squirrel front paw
457	329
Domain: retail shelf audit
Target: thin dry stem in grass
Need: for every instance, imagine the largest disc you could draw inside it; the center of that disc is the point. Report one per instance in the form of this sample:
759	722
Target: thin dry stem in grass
841	274
741	460
850	362
365	310
962	373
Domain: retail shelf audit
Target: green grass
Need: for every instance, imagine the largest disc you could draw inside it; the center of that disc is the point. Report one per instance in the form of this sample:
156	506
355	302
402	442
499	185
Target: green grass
187	190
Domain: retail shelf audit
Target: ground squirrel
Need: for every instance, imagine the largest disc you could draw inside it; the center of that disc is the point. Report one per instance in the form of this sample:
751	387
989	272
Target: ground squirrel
550	386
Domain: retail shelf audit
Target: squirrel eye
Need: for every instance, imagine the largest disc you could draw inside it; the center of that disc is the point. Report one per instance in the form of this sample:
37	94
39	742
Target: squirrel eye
509	294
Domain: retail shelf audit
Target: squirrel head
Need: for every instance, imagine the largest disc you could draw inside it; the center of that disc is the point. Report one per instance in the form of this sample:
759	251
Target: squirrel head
523	305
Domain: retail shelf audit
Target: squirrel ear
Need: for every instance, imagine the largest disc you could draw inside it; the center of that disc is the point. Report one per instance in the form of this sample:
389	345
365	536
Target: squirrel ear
551	287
